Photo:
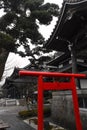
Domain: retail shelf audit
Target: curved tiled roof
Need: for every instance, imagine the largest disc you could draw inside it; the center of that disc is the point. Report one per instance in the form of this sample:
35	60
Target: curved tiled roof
68	7
72	1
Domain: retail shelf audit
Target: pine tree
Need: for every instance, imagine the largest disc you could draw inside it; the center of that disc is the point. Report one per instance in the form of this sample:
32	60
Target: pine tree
19	25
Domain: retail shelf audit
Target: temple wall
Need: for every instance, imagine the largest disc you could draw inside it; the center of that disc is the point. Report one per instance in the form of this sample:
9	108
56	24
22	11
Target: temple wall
83	83
62	110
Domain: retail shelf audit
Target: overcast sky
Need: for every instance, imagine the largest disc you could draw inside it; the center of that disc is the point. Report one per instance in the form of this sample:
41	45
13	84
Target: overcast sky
15	60
59	2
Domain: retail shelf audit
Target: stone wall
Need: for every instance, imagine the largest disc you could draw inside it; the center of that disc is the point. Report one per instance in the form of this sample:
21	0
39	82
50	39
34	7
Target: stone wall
83	113
63	112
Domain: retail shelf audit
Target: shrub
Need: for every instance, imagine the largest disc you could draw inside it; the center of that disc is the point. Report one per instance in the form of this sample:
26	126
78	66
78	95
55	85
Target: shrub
33	112
26	113
47	111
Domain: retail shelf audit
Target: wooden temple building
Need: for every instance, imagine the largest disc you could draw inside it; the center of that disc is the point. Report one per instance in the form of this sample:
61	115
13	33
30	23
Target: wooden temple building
17	86
70	33
70	38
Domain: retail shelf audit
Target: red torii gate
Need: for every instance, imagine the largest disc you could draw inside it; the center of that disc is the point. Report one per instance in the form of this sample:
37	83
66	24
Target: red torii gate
55	86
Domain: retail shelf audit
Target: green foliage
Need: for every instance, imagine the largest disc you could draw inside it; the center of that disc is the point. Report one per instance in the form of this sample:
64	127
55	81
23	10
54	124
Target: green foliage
7	42
47	111
33	4
43	16
26	113
47	95
17	26
25	26
33	112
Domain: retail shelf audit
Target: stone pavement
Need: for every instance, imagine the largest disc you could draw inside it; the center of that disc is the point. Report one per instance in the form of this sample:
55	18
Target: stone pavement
10	115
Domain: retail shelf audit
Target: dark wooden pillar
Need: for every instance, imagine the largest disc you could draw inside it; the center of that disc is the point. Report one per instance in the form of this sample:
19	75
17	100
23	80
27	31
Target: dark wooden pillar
74	63
74	60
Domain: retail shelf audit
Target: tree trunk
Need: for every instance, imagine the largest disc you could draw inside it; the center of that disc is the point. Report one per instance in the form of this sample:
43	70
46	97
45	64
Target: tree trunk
3	58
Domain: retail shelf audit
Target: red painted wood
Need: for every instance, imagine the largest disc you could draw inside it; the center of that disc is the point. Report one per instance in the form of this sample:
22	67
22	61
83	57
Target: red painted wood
76	106
51	74
40	104
56	86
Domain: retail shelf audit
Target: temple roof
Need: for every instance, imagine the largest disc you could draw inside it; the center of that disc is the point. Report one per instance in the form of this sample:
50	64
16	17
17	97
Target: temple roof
64	63
58	60
71	27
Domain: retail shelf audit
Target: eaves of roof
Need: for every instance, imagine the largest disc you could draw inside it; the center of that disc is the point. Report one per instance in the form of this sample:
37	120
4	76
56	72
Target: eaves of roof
81	67
67	25
58	60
